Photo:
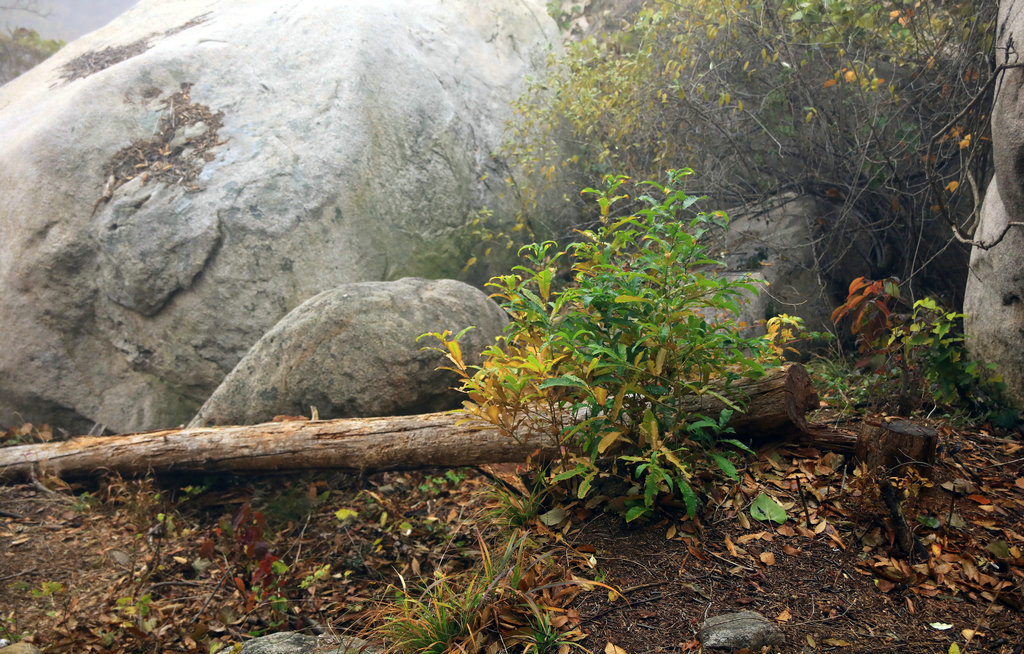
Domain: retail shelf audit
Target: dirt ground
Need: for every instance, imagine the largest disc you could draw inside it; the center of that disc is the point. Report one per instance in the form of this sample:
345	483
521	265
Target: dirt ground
197	564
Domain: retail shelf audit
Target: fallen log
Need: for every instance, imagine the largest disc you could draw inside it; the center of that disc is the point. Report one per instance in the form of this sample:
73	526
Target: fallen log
776	404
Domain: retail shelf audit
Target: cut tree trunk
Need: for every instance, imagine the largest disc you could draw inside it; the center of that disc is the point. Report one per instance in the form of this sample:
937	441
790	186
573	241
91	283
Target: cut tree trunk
892	443
776	405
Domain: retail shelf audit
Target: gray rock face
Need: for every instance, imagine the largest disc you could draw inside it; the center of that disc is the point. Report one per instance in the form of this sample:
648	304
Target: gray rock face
806	275
352	352
735	631
994	296
292	642
177	181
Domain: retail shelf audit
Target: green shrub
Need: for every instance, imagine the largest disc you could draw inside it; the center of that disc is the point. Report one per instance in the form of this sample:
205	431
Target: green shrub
855	101
913	355
601	367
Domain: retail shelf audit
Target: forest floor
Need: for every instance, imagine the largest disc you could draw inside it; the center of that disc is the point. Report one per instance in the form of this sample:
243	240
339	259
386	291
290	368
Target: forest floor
197	564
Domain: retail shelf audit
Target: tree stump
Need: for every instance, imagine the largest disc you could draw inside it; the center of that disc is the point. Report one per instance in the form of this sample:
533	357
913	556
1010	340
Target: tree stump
890	444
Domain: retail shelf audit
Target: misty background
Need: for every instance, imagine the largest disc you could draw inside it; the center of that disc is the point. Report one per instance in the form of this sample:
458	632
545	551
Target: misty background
60	19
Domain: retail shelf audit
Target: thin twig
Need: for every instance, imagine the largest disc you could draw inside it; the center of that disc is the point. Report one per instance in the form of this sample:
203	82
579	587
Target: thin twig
209	599
803	501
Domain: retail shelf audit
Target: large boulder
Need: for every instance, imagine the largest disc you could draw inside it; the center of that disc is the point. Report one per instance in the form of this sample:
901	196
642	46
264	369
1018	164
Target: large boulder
352	351
803	251
177	181
994	296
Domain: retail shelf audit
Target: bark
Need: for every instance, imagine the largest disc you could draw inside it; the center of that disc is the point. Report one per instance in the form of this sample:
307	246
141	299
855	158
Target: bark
775	406
890	444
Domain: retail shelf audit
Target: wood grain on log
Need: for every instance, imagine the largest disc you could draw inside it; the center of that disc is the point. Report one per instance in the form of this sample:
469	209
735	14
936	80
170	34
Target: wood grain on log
892	443
776	404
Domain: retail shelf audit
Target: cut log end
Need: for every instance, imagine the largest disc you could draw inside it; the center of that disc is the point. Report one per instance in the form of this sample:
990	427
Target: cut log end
890	444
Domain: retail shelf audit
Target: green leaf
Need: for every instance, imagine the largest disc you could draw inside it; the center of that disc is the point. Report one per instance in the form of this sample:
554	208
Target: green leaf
929	521
584	488
565	380
737	444
635	512
765	508
689	497
569	474
725	464
553	517
999	548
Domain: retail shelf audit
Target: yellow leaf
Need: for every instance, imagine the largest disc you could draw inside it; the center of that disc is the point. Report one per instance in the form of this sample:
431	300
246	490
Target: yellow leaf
850	76
965	142
830	82
455	351
600	394
607	441
731	547
952	186
611	648
659	360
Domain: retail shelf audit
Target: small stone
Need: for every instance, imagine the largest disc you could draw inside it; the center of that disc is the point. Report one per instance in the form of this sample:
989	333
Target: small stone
735	631
292	642
20	648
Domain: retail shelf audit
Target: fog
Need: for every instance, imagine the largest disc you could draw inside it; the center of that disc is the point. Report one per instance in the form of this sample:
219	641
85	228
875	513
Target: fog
60	19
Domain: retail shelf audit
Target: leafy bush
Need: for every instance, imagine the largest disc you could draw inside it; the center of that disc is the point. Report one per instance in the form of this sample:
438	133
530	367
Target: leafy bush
601	367
874	105
914	353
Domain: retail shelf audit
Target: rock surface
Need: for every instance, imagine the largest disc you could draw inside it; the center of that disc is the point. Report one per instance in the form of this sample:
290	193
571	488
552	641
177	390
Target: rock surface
292	642
736	631
994	296
352	352
177	181
805	275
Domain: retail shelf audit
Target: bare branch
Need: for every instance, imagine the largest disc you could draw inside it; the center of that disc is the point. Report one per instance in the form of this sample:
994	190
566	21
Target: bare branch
933	178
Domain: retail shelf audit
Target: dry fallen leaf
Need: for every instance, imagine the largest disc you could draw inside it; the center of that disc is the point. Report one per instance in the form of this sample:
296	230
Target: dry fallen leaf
785	616
611	648
767	558
729	546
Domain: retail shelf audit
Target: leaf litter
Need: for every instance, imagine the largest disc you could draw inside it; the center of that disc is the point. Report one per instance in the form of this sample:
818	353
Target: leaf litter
192	564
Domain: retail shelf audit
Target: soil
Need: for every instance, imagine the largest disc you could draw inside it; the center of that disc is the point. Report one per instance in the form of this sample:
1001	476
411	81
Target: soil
192	564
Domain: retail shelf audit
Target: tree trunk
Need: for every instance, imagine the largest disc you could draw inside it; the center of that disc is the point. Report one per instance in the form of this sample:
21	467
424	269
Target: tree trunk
775	404
890	444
